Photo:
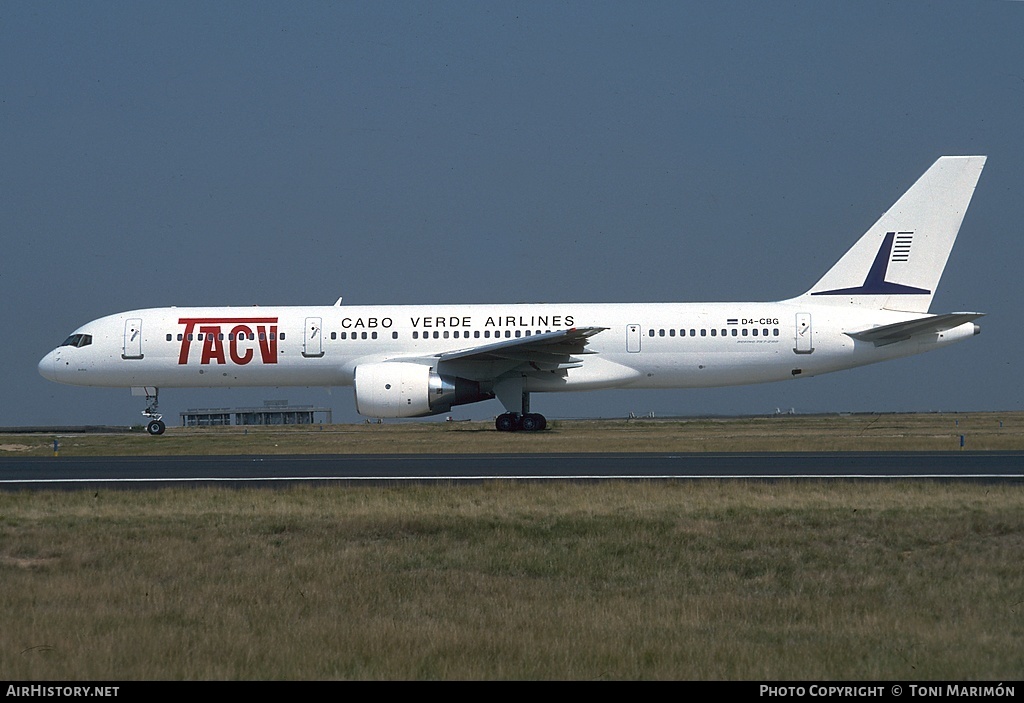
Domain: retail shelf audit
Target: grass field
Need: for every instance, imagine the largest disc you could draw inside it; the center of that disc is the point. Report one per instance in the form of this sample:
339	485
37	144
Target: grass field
769	581
654	580
860	432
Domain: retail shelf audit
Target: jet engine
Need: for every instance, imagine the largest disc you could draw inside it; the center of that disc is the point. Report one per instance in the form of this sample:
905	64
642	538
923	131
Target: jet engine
404	389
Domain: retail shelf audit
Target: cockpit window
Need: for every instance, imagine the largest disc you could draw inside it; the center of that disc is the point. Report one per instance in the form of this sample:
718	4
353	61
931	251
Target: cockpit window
78	340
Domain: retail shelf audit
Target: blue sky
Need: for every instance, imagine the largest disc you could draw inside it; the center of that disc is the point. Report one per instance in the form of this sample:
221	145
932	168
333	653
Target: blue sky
196	153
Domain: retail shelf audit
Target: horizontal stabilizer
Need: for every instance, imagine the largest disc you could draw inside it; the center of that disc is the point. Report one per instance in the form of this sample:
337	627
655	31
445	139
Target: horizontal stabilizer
933	324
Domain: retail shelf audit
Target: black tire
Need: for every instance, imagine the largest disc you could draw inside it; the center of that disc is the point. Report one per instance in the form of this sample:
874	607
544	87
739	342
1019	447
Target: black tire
506	422
532	422
156	427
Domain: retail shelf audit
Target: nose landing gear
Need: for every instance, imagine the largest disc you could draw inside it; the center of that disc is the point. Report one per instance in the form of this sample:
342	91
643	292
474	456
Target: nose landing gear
156	425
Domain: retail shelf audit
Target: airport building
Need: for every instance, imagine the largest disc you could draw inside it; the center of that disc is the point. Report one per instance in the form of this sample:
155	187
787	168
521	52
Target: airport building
273	412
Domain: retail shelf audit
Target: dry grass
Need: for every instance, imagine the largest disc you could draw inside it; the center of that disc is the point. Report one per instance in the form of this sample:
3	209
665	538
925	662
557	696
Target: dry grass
906	432
615	581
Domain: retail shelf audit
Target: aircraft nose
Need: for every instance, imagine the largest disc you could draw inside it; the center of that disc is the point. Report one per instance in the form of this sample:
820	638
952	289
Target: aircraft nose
48	366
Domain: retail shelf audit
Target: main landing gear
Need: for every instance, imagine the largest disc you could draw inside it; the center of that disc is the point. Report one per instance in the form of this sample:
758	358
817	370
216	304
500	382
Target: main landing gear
156	425
512	422
517	402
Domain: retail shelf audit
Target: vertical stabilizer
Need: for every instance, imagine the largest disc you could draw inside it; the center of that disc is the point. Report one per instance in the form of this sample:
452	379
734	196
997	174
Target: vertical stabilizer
897	264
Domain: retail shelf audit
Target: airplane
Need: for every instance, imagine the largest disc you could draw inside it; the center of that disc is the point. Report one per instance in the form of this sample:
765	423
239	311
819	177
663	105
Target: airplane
419	360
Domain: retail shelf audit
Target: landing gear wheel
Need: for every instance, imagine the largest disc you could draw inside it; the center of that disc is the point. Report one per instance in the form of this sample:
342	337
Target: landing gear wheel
156	427
511	422
534	422
507	422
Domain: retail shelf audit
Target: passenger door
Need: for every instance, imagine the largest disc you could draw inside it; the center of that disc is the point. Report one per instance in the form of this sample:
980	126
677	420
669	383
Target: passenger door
804	340
132	348
313	339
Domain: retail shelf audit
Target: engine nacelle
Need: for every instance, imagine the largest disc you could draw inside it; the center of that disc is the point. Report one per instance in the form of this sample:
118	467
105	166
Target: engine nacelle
404	389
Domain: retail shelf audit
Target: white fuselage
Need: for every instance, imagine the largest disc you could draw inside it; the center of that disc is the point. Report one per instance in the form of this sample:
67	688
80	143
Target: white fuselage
658	345
416	360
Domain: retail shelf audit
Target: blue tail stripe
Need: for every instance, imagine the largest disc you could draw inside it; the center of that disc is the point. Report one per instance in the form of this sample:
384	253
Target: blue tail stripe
875	283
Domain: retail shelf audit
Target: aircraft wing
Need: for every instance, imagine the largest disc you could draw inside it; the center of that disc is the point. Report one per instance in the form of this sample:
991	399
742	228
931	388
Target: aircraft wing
933	324
548	351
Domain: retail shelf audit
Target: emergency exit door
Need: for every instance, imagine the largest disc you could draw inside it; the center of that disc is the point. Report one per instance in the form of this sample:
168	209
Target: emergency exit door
633	338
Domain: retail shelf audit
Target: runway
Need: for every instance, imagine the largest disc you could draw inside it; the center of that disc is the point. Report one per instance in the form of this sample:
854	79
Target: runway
142	472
